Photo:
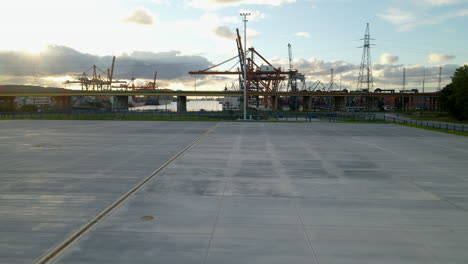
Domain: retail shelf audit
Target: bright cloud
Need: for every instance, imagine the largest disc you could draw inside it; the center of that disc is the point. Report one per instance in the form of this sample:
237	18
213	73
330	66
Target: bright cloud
302	34
388	58
438	58
141	16
255	15
397	16
217	4
444	2
224	32
407	21
59	23
434	20
217	33
161	2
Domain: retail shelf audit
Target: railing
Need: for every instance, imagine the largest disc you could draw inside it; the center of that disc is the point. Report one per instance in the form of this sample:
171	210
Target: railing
124	115
162	115
430	124
376	117
353	117
228	116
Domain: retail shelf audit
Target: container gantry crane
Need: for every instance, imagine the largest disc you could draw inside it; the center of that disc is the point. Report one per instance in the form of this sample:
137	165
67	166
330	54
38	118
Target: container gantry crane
261	74
94	81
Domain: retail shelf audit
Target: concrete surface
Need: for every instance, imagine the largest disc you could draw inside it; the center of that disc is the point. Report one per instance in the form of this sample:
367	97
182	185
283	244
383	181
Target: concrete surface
57	175
248	193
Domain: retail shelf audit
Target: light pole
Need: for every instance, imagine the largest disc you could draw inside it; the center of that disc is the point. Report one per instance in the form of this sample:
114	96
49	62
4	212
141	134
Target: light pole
245	15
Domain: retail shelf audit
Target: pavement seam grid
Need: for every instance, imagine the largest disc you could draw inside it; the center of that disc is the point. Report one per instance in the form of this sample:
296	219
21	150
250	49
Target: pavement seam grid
77	235
236	145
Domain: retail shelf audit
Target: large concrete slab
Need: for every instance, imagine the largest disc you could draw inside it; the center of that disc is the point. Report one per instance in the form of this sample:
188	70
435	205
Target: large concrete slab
57	175
285	193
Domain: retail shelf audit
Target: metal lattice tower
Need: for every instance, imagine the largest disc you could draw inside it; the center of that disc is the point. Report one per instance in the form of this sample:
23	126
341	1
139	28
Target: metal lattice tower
440	79
366	80
290	57
332	80
404	79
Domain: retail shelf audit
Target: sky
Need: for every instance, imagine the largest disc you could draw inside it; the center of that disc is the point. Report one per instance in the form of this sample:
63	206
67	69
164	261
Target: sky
49	41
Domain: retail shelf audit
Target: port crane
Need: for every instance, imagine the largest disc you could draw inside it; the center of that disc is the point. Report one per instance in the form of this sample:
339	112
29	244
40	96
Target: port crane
132	86
261	74
93	80
293	76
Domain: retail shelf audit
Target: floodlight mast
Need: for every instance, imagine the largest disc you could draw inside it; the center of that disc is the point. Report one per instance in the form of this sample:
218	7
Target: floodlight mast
245	15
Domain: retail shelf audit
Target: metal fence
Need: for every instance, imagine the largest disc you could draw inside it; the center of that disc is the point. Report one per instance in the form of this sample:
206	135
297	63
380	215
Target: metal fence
431	124
376	117
354	117
229	116
162	115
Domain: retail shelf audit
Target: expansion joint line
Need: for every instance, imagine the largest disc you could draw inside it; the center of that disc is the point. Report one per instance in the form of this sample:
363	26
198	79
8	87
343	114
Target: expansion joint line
77	235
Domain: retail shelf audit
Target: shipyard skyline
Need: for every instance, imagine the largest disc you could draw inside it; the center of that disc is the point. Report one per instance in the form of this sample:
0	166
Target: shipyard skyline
56	44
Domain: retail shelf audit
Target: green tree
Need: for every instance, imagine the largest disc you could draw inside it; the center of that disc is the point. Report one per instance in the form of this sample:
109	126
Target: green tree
454	97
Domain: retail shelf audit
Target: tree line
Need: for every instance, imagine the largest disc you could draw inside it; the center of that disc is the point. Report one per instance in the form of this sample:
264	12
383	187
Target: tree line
454	96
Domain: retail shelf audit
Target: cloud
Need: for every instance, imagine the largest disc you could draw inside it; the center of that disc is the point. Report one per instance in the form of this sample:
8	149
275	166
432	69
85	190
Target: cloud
255	15
218	4
141	16
62	61
388	58
58	62
438	58
385	75
251	34
302	34
434	20
392	75
161	2
224	32
397	16
444	2
407	21
316	68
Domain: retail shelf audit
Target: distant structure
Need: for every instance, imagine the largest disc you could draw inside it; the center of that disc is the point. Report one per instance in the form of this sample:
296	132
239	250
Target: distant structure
440	80
366	81
332	84
424	81
294	76
98	80
290	57
404	79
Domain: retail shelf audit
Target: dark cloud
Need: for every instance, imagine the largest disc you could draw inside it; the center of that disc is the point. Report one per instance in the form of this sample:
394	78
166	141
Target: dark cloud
26	68
60	61
414	71
385	75
320	67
